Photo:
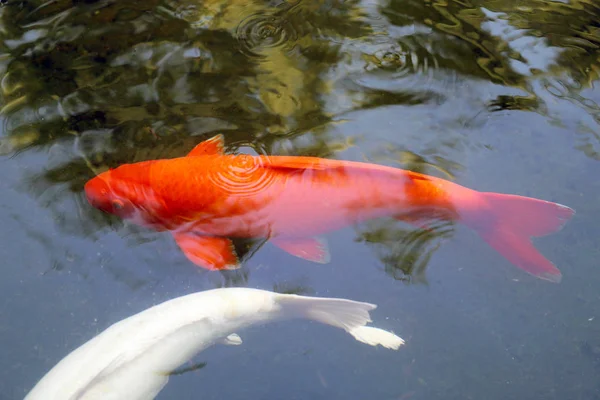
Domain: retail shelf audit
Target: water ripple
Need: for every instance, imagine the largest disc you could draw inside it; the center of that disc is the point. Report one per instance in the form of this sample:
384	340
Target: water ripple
403	58
403	64
243	177
262	31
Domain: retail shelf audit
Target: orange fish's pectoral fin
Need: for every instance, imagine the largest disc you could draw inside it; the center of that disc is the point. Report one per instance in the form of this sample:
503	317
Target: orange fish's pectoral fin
212	146
209	252
313	249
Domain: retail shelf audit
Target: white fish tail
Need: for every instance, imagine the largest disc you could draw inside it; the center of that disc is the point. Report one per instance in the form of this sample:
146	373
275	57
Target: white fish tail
374	336
349	315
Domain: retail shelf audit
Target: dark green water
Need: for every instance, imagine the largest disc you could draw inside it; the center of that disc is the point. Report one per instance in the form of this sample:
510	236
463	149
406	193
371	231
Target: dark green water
494	95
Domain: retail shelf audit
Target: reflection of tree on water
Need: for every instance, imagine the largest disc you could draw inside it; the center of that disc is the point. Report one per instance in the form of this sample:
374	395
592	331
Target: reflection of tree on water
246	66
99	84
405	253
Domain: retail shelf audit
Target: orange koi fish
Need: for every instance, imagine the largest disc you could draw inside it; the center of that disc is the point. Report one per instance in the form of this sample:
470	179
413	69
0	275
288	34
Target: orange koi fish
208	197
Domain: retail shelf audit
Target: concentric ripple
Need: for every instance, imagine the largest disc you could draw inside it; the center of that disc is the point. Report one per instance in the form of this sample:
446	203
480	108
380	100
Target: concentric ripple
407	59
262	31
244	177
402	59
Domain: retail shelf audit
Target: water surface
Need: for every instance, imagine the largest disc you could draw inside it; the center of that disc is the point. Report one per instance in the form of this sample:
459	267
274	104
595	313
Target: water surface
494	95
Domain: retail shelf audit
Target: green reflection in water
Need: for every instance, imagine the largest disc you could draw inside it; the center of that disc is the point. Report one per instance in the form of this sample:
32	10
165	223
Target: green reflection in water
99	83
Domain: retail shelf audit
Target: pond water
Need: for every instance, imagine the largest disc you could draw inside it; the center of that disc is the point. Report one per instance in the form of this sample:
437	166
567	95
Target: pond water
495	95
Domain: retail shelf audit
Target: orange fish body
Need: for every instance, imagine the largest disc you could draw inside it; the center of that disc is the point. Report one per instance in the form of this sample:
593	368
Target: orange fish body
208	197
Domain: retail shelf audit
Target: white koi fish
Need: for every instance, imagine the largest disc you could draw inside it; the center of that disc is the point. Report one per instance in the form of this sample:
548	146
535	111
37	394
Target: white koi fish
133	358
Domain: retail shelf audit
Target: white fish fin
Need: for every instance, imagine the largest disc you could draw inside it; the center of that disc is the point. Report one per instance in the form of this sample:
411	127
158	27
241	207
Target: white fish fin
349	315
374	336
232	340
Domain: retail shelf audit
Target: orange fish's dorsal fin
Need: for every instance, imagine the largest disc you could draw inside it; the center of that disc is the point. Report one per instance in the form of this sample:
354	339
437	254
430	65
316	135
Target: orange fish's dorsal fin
212	146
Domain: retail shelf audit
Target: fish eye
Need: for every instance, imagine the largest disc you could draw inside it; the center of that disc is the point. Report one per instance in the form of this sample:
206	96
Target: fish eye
118	205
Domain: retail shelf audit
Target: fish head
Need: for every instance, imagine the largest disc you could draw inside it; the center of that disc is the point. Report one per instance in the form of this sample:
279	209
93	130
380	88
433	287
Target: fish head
109	195
126	192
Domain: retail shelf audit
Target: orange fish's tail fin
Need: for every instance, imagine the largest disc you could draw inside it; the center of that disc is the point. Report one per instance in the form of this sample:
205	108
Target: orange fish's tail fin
514	220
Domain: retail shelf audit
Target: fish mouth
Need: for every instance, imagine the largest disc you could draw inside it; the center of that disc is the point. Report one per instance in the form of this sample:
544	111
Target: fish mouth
97	192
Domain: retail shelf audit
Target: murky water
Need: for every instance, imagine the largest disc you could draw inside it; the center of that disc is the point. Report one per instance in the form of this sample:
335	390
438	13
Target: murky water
495	95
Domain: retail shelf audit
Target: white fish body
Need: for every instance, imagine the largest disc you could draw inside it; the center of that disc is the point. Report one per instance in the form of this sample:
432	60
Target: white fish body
133	357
